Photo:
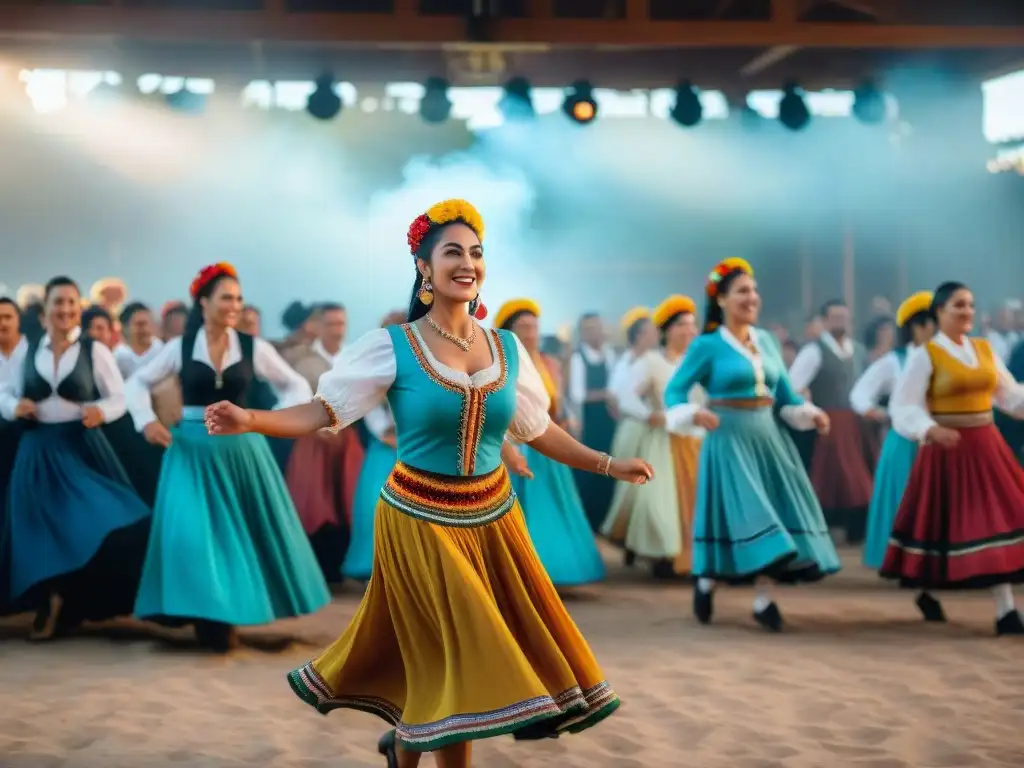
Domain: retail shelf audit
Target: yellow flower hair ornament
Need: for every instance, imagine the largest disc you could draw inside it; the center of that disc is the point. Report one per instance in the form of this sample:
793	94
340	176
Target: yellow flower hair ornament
672	306
633	316
722	269
513	307
443	213
918	302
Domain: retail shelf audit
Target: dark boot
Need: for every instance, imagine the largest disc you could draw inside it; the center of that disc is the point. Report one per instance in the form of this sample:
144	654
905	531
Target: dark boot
930	608
770	618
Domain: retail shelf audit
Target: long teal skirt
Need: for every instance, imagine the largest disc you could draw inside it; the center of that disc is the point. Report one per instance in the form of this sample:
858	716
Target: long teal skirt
69	494
226	543
891	476
377	465
756	512
557	523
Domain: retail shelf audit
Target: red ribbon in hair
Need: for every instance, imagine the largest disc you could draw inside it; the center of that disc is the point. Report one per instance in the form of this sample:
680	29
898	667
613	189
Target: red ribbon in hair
212	272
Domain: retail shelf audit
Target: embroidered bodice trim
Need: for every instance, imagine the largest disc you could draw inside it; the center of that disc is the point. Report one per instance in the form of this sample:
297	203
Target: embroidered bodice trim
474	390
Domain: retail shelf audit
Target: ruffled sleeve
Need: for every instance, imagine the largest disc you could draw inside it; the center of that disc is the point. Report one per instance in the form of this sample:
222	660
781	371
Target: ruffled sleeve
874	383
1009	395
531	419
360	380
908	405
137	389
634	380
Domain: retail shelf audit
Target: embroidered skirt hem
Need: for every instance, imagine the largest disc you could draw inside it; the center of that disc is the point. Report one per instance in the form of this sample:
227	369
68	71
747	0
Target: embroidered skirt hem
458	599
960	524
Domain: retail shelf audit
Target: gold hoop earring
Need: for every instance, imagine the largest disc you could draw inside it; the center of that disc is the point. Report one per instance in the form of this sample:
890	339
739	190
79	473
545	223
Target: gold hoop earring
426	293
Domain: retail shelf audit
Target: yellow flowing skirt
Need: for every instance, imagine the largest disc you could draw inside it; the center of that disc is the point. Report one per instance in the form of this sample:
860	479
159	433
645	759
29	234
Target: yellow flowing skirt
685	459
460	634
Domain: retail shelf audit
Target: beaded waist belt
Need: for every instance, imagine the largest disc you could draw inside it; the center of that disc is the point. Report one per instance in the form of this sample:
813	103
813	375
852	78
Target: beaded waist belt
957	420
449	500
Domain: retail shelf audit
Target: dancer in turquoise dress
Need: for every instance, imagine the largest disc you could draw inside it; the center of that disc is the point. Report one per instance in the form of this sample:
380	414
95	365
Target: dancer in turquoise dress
381	455
756	517
554	511
227	548
898	453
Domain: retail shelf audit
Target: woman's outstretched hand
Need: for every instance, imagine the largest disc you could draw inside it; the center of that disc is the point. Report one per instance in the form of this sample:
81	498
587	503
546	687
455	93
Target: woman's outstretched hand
635	471
226	418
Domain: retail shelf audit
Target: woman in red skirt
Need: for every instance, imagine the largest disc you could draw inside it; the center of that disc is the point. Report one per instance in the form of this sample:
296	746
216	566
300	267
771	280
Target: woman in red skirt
961	522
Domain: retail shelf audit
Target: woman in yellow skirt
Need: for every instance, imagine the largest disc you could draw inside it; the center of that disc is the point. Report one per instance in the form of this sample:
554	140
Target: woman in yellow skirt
457	599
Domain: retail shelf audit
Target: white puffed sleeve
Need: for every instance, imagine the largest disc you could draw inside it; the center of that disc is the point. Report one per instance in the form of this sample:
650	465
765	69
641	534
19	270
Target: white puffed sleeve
1009	396
805	367
908	405
290	387
876	382
379	421
164	363
531	419
109	382
12	377
634	380
360	380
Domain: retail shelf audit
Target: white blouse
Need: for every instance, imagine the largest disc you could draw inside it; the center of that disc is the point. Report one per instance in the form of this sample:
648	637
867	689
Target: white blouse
876	382
360	381
54	409
641	390
379	421
129	362
290	387
908	406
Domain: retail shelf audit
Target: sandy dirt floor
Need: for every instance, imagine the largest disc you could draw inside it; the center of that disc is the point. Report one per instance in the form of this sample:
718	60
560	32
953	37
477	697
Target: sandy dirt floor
856	681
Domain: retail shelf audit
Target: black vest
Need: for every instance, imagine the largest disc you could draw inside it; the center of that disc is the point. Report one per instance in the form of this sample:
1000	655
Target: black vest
597	375
199	380
78	387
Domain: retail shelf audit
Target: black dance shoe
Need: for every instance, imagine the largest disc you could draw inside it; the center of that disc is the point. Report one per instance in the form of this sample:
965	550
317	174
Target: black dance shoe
628	558
388	746
703	604
930	608
770	618
1010	624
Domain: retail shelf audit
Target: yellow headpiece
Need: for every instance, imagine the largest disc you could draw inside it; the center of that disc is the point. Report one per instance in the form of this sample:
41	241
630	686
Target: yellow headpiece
634	315
722	269
443	213
918	302
672	306
514	307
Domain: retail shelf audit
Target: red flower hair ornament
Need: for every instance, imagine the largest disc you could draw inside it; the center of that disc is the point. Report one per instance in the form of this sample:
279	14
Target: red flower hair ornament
208	274
721	270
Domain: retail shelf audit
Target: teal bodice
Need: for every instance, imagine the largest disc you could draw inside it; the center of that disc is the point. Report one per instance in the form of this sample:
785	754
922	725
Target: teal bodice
445	422
730	373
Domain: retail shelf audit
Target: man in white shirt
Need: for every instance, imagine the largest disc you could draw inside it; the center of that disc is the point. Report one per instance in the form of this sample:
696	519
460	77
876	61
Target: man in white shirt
589	395
840	471
333	329
1001	336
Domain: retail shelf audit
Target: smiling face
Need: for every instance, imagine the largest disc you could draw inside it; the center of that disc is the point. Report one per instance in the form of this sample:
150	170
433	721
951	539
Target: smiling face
224	304
141	328
956	316
741	302
456	267
63	309
100	330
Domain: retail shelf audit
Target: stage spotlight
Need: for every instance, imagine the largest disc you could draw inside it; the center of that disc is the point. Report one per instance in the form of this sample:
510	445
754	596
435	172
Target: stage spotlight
869	104
435	106
579	103
324	102
516	103
687	111
793	111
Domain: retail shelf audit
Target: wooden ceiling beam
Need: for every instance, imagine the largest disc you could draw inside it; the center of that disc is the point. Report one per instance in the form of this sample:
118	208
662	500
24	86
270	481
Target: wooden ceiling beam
406	29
